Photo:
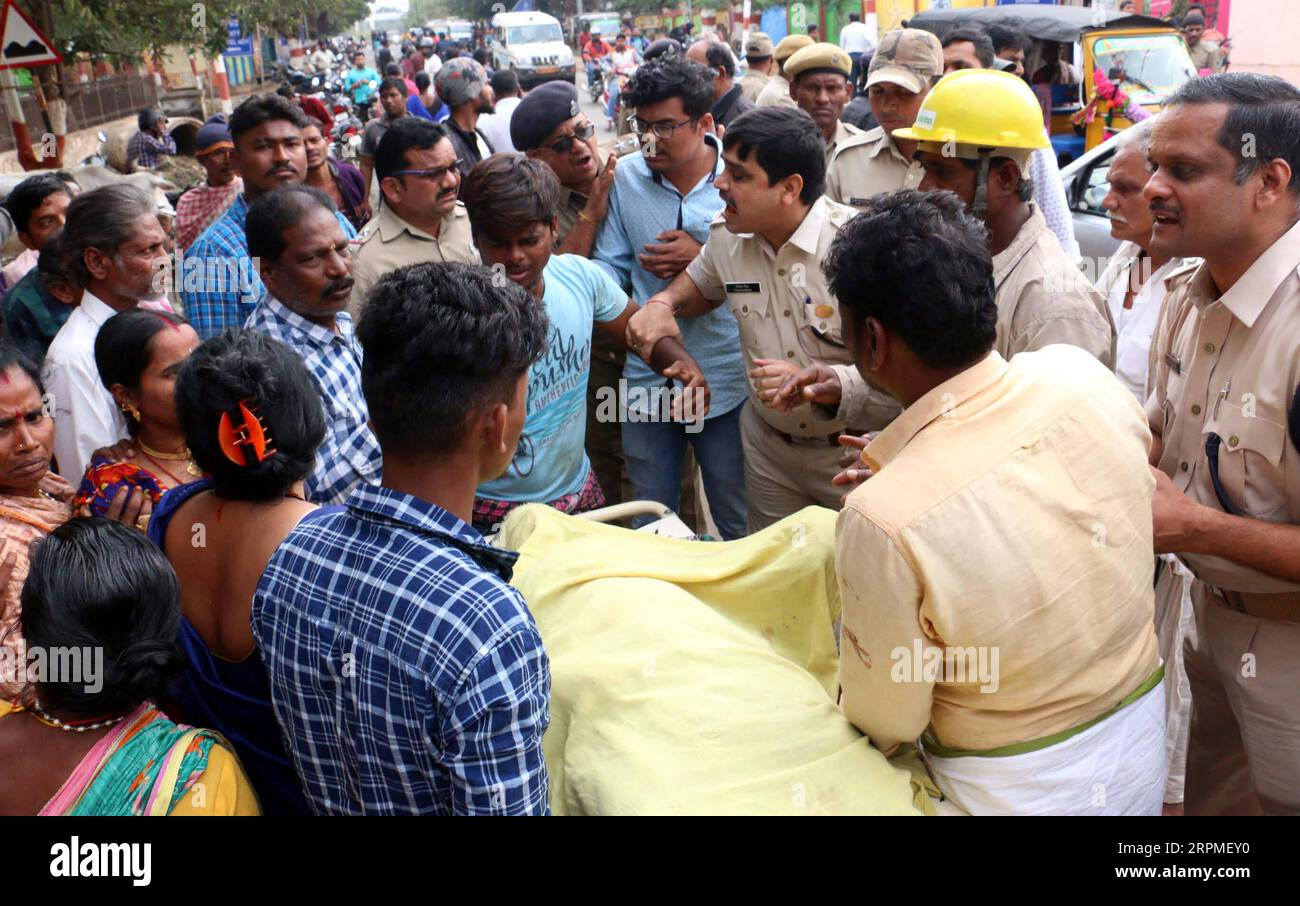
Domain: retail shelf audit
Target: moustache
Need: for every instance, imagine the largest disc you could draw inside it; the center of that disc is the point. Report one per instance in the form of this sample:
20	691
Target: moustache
1157	208
335	287
281	168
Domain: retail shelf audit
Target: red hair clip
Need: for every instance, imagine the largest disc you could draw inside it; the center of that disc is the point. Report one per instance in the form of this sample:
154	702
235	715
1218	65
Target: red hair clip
252	434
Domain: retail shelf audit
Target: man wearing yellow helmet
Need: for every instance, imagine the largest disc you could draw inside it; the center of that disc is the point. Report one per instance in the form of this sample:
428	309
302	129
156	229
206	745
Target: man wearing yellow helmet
975	133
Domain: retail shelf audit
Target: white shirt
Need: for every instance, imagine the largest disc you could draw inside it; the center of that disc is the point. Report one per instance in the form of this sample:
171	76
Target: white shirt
322	60
620	60
1134	326
432	63
856	38
496	126
85	415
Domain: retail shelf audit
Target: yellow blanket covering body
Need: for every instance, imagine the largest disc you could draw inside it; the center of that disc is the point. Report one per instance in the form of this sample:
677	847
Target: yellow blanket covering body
698	678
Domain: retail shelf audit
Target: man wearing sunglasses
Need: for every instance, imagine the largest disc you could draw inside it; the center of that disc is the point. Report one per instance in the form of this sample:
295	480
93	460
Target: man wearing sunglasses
660	208
419	218
548	126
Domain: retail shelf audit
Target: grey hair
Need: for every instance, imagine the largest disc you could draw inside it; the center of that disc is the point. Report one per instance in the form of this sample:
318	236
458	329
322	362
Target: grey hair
1136	137
102	219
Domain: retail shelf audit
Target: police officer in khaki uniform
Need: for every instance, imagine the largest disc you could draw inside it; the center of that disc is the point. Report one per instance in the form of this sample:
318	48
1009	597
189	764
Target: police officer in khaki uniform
762	258
908	62
549	126
819	84
758	55
975	133
419	218
1226	423
776	93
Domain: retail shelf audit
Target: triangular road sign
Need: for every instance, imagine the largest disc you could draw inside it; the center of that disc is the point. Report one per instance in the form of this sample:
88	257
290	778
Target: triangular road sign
21	43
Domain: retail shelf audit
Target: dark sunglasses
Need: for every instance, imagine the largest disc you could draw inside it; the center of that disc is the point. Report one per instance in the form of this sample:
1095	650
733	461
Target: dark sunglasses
580	134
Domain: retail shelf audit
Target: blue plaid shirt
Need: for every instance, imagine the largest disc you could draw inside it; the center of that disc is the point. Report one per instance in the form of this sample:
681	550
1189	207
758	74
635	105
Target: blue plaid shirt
350	453
407	675
147	150
218	283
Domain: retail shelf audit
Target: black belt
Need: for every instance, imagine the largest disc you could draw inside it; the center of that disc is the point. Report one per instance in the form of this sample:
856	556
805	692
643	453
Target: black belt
826	440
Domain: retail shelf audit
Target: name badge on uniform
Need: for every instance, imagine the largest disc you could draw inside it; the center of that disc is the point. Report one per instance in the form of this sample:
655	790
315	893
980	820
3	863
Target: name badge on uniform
742	288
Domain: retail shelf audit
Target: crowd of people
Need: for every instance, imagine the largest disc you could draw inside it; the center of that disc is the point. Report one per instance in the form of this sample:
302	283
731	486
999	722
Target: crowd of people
261	478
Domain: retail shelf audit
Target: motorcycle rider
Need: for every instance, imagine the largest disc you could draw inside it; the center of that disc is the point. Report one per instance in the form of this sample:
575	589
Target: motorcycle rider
593	53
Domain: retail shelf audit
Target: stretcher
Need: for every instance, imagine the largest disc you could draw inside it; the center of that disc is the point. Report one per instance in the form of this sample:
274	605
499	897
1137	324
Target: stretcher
697	677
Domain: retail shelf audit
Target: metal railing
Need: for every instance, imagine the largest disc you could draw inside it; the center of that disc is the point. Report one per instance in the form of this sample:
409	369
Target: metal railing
89	103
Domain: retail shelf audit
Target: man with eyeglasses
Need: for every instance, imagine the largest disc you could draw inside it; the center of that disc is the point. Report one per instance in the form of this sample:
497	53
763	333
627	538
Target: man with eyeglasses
548	126
419	218
660	208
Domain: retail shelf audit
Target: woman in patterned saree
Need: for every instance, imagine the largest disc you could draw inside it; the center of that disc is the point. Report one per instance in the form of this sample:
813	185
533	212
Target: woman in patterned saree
138	353
85	737
33	500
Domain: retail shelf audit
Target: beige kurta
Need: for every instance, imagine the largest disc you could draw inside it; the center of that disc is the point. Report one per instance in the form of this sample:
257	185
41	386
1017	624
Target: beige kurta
1009	516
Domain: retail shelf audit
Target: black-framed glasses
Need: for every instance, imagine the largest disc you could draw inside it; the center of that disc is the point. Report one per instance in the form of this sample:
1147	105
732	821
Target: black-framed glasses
662	130
580	134
434	175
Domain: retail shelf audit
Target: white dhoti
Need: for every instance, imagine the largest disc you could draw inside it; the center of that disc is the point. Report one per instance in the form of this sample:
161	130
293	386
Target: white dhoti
1117	766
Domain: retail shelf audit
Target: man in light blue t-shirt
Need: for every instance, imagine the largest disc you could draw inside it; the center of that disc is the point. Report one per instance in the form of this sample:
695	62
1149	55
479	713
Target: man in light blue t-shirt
512	209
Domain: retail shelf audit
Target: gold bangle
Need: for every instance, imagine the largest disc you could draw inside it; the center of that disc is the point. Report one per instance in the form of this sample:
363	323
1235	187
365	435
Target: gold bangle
582	215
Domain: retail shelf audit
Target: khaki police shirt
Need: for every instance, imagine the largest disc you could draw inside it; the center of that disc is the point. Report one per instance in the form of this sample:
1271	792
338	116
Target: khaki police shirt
1203	57
843	132
388	242
867	164
752	85
1043	298
786	311
571	203
1229	365
776	93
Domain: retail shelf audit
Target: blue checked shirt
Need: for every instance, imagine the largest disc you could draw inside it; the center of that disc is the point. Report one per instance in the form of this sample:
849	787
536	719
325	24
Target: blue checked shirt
407	674
350	453
641	206
147	150
219	285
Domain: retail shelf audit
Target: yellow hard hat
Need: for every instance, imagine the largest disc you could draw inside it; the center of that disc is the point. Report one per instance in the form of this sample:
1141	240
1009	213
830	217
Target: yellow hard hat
979	108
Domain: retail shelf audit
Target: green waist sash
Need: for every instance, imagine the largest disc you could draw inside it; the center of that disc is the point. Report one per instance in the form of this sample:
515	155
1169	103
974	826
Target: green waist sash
934	747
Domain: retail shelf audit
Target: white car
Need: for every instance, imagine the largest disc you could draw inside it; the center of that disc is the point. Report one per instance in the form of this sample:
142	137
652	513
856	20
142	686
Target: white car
1086	182
532	46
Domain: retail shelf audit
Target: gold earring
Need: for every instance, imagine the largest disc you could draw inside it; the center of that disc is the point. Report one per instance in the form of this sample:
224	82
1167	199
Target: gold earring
131	410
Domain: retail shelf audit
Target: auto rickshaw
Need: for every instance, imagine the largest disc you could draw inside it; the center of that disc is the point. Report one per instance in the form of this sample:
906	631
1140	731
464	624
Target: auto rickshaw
1116	61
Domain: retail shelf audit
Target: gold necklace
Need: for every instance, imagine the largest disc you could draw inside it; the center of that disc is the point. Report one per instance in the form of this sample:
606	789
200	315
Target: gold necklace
158	456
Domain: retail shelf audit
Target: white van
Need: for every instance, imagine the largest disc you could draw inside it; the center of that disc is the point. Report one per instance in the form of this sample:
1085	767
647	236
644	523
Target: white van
532	46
